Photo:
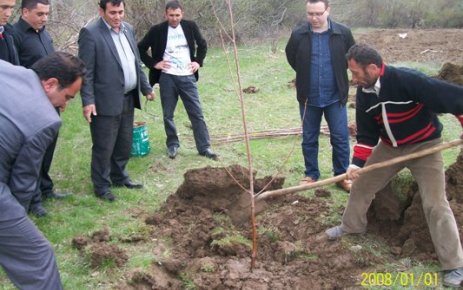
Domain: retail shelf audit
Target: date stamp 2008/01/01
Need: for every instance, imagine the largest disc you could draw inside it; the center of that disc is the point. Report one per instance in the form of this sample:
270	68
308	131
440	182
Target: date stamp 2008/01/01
404	279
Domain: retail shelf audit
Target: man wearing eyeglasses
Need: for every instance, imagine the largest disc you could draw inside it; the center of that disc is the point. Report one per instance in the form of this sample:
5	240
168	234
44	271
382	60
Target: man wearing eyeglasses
316	51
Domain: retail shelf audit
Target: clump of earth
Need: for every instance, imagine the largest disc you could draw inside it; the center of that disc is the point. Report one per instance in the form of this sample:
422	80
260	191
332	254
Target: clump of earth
99	250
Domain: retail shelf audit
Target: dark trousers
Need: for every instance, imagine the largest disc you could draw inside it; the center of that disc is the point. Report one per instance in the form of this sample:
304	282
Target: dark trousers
25	254
45	182
171	87
112	141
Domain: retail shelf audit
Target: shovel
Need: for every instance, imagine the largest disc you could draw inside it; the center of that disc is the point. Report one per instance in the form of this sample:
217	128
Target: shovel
371	167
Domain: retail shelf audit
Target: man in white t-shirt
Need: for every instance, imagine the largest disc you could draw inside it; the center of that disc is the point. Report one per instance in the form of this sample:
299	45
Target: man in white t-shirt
177	51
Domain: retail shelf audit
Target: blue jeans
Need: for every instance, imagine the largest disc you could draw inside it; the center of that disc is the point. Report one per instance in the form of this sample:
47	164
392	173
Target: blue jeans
336	117
171	87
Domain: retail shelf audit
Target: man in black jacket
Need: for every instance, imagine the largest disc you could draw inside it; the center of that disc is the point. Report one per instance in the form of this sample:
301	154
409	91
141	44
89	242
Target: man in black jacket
174	64
8	51
33	42
396	114
316	51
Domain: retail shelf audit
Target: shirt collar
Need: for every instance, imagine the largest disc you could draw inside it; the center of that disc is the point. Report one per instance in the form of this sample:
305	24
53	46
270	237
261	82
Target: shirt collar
24	26
377	86
374	89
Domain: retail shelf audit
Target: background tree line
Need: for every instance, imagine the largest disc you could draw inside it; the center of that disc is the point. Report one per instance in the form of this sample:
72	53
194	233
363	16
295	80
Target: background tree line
257	20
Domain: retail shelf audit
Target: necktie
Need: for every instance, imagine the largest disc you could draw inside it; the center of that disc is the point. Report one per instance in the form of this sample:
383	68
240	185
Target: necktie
1	31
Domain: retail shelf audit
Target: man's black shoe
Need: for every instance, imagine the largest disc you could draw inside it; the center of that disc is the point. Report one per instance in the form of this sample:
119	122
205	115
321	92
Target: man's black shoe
209	154
129	184
172	151
109	196
38	210
56	195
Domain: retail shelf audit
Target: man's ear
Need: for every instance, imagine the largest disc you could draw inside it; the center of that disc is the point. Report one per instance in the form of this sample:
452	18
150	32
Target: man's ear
25	12
50	84
373	69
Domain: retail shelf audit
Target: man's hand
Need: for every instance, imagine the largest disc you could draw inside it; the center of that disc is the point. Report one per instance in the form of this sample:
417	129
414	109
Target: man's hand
162	65
353	172
151	96
194	66
89	111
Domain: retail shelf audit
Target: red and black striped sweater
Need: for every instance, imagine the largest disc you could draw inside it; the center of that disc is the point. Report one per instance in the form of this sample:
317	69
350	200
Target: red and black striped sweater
404	112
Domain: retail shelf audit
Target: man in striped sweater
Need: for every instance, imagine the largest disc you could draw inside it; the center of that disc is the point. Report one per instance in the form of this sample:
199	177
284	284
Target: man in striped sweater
396	115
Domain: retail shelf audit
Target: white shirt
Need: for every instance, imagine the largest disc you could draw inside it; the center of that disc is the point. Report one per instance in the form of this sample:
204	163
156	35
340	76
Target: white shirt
126	56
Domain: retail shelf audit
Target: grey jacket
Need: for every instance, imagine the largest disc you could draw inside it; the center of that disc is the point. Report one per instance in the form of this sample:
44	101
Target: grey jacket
28	125
104	84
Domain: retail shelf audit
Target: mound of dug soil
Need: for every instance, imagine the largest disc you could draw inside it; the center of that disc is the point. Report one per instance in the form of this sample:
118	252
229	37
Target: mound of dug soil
197	240
452	73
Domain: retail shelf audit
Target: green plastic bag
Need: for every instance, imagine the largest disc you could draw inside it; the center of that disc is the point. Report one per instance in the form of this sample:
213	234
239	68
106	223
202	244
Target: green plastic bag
140	140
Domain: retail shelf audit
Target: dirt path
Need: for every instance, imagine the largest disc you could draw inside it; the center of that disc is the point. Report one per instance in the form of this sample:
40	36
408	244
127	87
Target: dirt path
421	46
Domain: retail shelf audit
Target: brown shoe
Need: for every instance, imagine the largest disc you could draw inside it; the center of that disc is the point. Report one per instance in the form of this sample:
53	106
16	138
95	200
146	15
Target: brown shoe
345	185
306	180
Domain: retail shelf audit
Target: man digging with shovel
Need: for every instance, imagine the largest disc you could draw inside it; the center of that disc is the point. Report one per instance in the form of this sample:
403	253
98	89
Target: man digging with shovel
399	108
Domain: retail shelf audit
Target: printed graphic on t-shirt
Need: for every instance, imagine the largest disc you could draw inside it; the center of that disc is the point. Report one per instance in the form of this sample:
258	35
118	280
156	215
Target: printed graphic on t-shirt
177	52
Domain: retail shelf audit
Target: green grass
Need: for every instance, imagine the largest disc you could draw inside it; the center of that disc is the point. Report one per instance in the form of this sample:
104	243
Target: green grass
273	107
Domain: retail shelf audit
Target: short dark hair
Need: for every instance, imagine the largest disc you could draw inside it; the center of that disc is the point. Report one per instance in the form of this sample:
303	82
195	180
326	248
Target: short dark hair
173	5
32	4
63	66
364	55
102	3
327	2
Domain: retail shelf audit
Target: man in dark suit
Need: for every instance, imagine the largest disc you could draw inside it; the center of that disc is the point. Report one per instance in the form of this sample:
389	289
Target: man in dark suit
110	94
7	49
29	123
174	64
33	42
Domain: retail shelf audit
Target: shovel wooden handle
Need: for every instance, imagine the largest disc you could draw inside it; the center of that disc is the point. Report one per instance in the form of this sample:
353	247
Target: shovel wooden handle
371	167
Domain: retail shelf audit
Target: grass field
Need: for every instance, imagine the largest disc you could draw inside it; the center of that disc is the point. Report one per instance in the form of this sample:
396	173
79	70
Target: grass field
273	107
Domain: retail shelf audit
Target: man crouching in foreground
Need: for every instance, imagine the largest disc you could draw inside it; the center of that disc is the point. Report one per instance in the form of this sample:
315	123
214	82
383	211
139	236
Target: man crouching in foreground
29	123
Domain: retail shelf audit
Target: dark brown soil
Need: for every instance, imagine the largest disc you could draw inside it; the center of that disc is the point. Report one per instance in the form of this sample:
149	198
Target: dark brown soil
99	251
212	250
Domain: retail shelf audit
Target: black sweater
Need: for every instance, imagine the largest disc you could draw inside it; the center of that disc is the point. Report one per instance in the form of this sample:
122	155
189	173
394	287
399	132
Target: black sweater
404	112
